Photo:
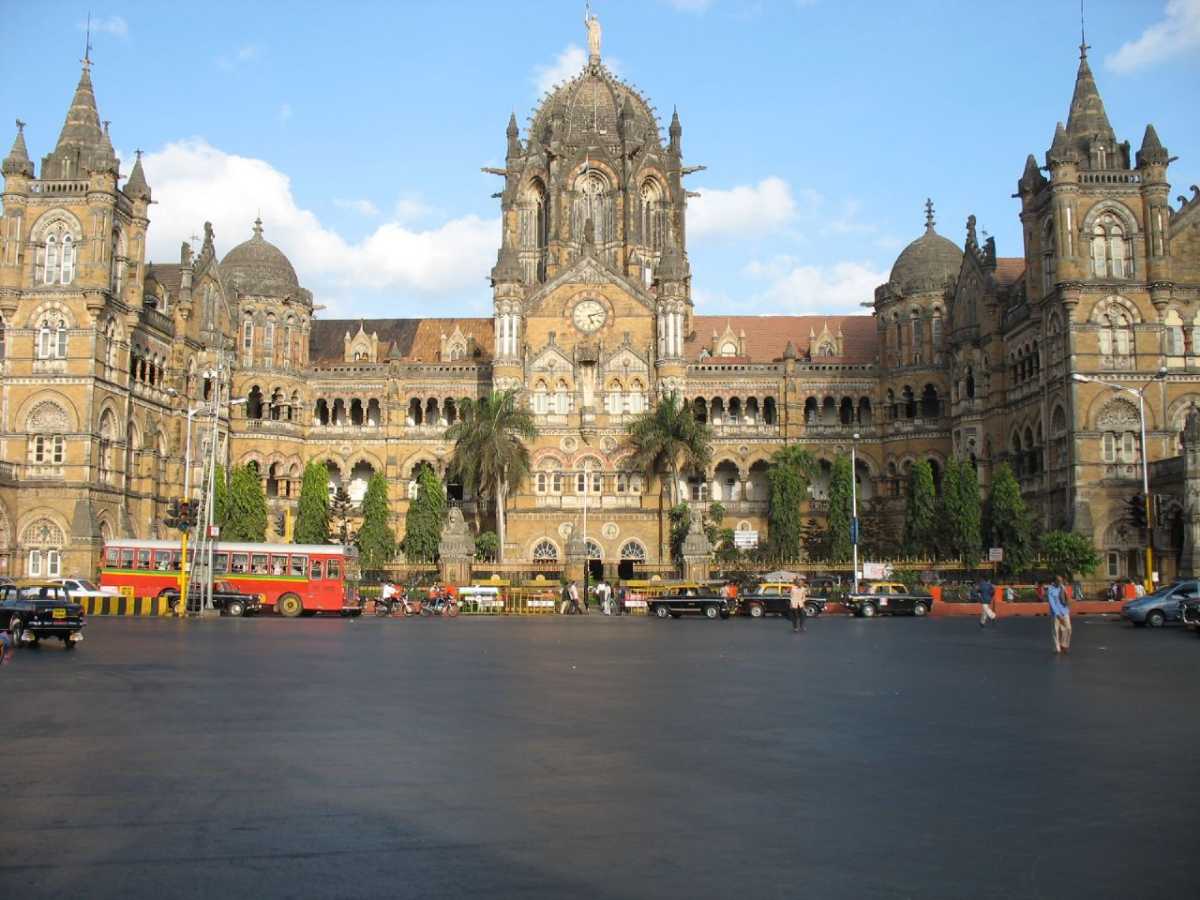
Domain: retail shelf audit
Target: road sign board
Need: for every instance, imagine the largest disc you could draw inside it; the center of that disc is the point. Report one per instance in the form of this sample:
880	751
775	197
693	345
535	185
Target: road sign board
996	554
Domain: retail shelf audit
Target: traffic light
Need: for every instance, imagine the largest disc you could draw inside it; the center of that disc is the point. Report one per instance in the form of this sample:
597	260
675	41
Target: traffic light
174	517
1137	510
187	514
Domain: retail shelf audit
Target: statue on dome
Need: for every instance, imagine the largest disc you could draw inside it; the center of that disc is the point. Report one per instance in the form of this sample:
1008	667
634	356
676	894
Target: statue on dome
593	33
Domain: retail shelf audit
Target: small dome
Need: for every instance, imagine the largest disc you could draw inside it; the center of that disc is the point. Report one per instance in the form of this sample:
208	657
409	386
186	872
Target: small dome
259	268
926	263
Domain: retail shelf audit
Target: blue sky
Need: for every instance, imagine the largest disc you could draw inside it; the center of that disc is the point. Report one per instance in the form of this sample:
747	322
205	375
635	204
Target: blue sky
359	129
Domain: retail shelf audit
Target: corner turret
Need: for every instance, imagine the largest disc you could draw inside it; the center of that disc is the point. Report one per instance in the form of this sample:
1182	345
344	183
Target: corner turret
18	162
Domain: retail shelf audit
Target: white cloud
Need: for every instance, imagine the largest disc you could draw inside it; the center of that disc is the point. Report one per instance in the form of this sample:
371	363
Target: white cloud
567	65
411	208
244	54
194	182
1177	34
745	210
362	207
114	25
797	288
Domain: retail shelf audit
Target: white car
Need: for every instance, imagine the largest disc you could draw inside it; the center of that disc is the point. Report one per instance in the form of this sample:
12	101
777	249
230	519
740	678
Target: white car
81	587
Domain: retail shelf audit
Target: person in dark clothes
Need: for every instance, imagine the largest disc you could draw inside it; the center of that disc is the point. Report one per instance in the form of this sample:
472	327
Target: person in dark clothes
987	594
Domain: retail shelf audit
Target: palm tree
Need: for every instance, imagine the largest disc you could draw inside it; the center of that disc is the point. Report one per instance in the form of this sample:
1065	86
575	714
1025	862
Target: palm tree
668	436
490	455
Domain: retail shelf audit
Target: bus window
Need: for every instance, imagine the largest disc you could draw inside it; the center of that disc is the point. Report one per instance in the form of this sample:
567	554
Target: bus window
258	564
314	573
240	561
127	558
278	565
299	566
143	559
162	560
221	563
334	568
112	557
175	557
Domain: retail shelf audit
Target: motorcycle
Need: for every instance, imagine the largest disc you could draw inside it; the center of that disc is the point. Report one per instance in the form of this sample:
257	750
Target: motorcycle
396	605
441	604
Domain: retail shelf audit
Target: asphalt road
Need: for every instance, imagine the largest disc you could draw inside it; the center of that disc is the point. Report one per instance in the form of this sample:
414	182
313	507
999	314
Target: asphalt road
593	757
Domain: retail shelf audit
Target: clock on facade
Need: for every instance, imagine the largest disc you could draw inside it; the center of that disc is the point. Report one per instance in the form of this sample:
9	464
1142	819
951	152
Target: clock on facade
589	315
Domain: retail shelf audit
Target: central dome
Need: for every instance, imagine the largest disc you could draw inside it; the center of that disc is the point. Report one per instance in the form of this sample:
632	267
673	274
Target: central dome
258	268
591	103
927	263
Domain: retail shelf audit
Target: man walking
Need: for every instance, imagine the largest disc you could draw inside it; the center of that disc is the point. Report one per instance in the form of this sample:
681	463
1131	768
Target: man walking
565	605
573	593
604	595
1061	611
797	603
987	593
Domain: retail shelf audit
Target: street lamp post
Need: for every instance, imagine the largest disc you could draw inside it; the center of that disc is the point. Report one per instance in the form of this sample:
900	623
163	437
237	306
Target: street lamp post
1140	393
854	507
187	497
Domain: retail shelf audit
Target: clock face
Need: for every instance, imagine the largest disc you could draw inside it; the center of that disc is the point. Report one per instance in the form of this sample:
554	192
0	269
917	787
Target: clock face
589	315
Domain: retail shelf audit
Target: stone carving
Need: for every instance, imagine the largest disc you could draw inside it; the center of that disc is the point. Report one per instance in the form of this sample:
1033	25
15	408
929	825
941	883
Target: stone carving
1118	415
610	530
593	34
47	417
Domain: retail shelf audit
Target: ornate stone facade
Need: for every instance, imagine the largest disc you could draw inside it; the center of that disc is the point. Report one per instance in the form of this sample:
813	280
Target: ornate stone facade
967	353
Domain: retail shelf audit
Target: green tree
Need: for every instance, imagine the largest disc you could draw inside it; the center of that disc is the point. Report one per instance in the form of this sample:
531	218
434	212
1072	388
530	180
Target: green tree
668	437
341	508
1009	521
491	456
246	507
970	533
920	512
788	479
376	539
1068	554
220	496
312	517
426	516
838	522
486	544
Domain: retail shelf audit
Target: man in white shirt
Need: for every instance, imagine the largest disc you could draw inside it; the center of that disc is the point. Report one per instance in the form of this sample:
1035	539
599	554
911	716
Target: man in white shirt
604	595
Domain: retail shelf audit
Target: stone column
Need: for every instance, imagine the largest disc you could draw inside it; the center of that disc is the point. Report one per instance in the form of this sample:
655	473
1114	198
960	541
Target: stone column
1189	560
577	558
456	549
697	551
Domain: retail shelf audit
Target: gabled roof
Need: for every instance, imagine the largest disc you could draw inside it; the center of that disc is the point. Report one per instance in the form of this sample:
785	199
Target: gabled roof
768	336
417	340
1009	270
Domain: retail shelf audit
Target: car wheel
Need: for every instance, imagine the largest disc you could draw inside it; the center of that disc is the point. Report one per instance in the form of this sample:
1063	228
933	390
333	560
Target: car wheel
661	611
756	610
920	609
1155	618
710	611
812	610
289	605
868	611
235	608
15	629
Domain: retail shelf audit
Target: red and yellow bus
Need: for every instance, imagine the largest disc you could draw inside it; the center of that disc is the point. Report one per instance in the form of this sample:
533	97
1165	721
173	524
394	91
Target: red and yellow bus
293	578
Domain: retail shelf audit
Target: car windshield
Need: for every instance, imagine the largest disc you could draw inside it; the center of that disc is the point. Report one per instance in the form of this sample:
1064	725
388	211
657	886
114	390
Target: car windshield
224	587
86	585
1164	592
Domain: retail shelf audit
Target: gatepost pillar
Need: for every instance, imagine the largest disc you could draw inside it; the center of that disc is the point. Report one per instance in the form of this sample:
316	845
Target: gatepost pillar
456	549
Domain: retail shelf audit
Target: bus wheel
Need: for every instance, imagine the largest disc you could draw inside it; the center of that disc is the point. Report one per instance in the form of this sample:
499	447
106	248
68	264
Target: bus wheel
289	605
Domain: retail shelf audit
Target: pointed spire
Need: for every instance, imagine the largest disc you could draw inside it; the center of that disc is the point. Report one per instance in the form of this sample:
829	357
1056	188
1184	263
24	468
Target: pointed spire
1061	150
675	131
508	267
17	162
1152	152
930	221
513	133
1087	118
1031	178
82	127
136	188
672	266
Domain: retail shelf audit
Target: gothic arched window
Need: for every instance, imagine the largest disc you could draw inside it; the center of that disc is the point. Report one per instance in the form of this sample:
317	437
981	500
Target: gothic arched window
1049	265
653	219
592	204
545	551
52	338
1111	257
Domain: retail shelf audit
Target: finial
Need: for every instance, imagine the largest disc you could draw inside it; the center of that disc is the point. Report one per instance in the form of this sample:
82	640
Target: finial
137	153
87	44
106	123
593	34
929	220
258	226
20	127
1083	44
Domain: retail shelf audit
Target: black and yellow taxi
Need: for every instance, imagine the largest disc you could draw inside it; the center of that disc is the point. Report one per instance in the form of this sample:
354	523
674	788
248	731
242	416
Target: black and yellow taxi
33	610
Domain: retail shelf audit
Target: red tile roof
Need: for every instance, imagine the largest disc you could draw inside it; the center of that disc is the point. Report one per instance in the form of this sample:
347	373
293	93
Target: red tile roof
418	340
768	336
1009	270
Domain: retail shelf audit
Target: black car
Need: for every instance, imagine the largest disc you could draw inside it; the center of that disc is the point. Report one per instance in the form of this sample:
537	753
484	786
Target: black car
775	598
1189	611
228	599
883	598
708	603
39	610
